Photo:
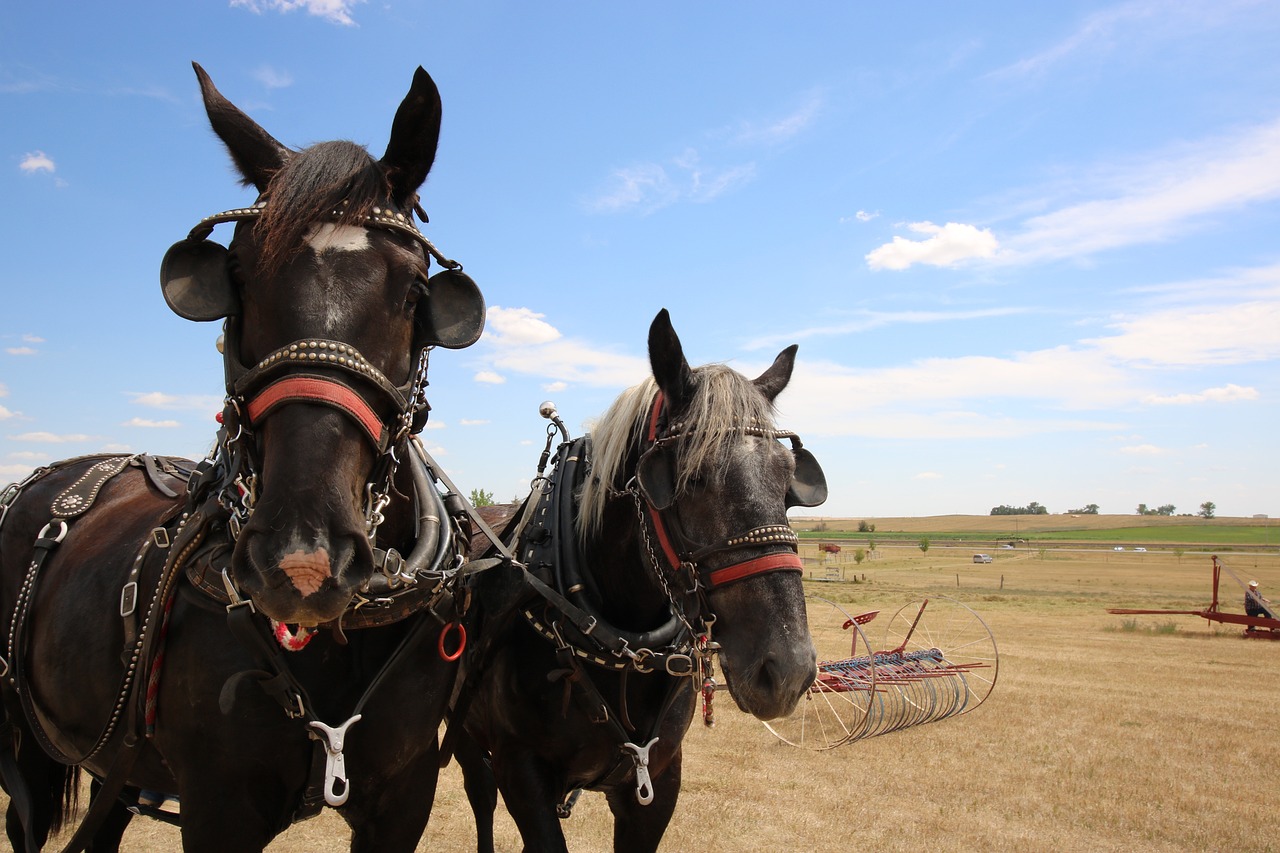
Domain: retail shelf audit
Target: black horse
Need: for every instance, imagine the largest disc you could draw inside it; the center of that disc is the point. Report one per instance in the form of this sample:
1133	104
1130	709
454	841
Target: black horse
145	616
657	541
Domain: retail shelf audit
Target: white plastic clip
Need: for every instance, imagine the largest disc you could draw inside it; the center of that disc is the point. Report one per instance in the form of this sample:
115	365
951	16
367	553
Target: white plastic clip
335	767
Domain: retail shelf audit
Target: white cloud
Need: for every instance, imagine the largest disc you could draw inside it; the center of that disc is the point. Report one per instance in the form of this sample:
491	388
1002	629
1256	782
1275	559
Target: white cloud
864	216
20	351
1198	335
1227	394
5	414
51	438
946	246
150	424
473	421
37	161
928	475
555	387
1144	450
334	11
489	377
14	472
32	339
1096	31
177	402
514	326
273	78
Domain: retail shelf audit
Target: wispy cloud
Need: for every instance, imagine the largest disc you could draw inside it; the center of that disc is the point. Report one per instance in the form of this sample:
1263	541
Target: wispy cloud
5	414
782	129
334	11
51	437
177	402
489	377
1227	394
1096	32
37	161
146	423
648	187
865	321
1155	198
273	78
20	350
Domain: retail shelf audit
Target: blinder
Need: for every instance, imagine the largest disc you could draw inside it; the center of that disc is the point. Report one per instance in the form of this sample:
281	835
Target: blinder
808	485
452	315
195	281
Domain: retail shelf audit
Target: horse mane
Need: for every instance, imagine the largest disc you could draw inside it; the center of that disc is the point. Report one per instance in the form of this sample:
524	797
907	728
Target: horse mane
311	185
723	405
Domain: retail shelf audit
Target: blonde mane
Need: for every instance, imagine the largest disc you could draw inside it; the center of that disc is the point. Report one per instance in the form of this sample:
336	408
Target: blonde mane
723	405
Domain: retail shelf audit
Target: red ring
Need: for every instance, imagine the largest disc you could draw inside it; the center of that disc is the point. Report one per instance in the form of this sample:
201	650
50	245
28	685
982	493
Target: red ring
462	641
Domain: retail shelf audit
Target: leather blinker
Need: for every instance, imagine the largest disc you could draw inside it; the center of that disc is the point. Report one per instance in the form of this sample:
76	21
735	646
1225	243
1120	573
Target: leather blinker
452	316
195	281
809	485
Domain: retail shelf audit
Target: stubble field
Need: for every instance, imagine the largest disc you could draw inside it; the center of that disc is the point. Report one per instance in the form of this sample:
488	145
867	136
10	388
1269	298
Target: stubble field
1103	733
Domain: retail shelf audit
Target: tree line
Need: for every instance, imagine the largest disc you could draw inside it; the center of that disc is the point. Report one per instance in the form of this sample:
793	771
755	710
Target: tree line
1207	510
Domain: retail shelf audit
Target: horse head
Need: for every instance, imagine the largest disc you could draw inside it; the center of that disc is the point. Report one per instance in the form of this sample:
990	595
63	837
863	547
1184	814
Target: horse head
715	483
329	309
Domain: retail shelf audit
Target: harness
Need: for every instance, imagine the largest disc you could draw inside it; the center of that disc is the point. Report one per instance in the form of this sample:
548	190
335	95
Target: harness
565	612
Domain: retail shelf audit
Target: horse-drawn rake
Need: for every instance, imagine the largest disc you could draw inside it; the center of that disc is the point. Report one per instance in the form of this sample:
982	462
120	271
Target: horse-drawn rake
939	661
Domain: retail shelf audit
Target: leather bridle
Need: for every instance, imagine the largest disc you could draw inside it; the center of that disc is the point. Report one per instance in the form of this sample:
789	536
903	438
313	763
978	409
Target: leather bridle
683	557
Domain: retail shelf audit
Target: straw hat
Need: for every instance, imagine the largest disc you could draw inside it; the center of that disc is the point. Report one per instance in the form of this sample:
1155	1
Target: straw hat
1253	584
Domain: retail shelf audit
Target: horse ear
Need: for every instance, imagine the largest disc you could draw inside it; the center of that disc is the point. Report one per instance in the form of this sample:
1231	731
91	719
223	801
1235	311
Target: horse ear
255	152
773	380
415	133
666	358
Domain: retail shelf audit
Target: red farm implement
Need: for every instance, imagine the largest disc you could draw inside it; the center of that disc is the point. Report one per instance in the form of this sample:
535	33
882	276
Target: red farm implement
940	661
1260	626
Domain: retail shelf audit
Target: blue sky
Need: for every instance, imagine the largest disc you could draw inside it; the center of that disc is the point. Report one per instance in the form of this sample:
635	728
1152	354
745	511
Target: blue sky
1029	251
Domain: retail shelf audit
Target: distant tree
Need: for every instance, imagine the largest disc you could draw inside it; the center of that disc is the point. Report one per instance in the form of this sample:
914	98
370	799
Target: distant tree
1033	508
1142	510
864	527
1166	509
1088	509
479	497
871	544
1207	509
859	555
1178	552
924	546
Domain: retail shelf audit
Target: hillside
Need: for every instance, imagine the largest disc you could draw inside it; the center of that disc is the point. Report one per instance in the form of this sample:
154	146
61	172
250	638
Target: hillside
1023	525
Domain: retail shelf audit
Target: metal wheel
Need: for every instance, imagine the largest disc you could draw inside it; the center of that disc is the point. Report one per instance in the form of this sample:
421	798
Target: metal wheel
834	711
949	656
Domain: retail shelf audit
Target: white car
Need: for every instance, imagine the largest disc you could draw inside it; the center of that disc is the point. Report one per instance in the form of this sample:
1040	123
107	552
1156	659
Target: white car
982	558
1143	550
1118	548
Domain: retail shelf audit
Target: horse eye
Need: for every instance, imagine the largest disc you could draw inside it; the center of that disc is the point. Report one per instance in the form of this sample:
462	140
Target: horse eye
417	290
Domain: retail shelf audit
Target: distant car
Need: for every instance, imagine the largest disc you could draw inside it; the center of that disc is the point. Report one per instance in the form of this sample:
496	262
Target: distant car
1118	548
1006	545
1143	550
982	558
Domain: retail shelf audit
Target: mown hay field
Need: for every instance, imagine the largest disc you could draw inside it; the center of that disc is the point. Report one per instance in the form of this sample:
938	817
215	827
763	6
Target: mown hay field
1103	733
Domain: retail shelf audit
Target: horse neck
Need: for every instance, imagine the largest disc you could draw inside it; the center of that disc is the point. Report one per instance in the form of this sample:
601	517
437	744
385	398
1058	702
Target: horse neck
616	560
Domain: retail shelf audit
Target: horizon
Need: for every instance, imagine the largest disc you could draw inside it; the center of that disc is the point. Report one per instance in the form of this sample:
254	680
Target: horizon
1028	252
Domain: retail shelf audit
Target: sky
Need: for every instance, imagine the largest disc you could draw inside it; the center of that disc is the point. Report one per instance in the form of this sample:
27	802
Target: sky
1030	251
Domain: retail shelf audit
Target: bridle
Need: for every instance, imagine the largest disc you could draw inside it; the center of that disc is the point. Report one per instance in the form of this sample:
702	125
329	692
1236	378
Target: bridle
671	552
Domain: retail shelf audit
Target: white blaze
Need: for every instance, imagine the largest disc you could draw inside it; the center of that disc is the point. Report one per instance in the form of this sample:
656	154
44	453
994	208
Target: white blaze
328	237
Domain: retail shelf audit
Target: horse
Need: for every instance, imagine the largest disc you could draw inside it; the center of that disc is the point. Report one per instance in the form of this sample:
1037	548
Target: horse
146	603
658	541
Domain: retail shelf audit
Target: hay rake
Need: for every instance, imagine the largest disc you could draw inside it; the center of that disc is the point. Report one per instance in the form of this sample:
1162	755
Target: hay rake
940	661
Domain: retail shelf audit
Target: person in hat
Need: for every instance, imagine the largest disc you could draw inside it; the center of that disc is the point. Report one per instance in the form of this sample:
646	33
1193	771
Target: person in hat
1255	604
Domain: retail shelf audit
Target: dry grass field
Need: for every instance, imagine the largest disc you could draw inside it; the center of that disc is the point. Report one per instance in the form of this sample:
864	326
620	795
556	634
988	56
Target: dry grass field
1104	733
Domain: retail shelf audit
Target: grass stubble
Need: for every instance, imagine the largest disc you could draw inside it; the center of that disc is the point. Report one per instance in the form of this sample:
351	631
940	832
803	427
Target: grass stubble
1103	733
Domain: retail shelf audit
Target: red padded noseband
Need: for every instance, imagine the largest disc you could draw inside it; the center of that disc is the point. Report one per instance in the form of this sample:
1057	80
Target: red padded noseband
319	389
